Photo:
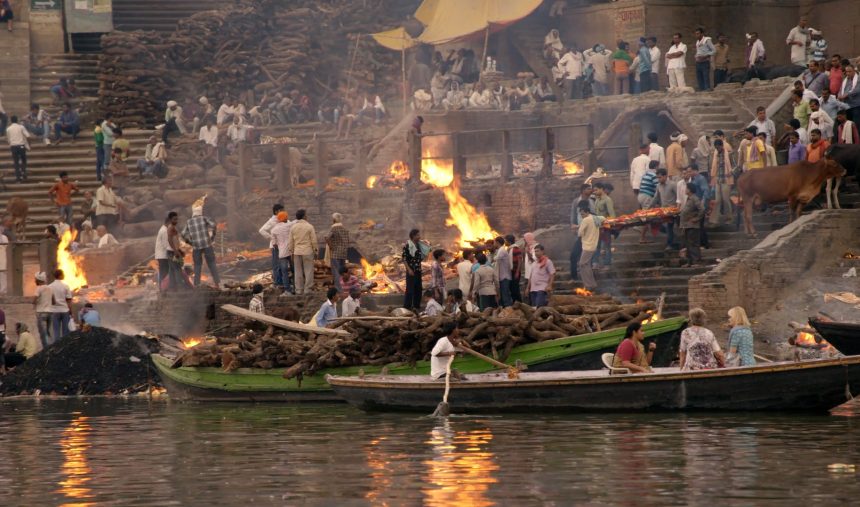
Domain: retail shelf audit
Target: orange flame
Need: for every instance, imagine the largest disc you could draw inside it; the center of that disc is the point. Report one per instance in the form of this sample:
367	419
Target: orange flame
808	340
74	274
579	291
472	224
190	343
371	181
371	270
653	318
399	170
570	167
376	273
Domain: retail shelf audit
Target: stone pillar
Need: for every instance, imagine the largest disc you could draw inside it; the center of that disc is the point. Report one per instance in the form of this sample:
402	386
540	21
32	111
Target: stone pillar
459	160
360	165
548	150
15	269
507	158
414	152
592	154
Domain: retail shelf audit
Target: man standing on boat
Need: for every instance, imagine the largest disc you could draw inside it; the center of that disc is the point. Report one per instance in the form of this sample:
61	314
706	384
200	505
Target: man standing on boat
631	352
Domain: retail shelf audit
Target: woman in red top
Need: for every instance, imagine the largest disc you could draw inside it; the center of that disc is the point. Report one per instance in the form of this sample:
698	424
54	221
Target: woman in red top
631	353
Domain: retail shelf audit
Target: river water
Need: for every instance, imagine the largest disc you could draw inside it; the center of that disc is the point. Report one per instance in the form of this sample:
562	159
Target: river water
109	451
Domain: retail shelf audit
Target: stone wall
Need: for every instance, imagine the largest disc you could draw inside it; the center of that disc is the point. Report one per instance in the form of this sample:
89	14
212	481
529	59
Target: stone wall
759	278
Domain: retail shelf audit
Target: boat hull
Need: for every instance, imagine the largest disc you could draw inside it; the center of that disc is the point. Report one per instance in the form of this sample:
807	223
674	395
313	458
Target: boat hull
257	385
844	336
813	386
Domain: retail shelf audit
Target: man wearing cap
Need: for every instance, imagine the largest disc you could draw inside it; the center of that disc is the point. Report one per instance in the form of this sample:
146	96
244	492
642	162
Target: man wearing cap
281	236
199	232
676	155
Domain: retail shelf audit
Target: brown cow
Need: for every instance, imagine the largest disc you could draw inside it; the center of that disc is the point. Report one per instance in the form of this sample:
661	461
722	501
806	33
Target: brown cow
798	183
17	208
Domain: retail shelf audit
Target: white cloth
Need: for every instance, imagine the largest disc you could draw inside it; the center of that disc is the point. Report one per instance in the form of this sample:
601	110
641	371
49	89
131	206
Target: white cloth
803	133
600	63
106	201
266	230
44	299
822	121
798	53
209	135
571	65
655	59
677	79
656	152
223	112
848	132
439	365
161	243
3	242
589	234
637	170
17	135
281	235
432	308
676	63
766	126
61	292
527	262
846	85
107	240
756	52
464	275
349	306
469	307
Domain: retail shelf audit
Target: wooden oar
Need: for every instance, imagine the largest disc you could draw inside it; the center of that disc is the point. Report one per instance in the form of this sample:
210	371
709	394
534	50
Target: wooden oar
513	371
284	324
443	409
762	358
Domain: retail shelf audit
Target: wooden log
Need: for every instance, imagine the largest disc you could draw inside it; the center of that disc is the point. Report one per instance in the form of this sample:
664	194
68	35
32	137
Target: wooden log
284	324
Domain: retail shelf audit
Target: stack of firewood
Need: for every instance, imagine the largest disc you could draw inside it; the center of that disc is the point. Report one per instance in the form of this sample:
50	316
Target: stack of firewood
380	341
252	50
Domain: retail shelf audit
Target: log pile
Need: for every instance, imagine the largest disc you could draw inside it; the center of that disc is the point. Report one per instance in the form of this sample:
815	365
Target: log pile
253	50
493	332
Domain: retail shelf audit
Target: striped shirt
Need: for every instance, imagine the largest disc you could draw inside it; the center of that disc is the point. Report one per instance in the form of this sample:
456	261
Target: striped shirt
648	185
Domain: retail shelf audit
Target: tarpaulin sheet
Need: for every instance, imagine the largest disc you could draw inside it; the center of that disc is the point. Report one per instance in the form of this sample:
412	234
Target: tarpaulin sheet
449	20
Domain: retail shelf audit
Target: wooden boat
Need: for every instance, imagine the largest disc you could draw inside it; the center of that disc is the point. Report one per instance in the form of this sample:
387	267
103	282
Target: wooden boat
253	384
818	385
844	336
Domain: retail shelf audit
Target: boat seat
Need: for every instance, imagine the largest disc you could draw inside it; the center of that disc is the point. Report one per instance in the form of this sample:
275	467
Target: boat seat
607	358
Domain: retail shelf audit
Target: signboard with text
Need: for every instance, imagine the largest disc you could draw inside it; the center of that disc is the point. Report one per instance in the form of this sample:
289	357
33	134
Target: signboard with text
45	5
88	16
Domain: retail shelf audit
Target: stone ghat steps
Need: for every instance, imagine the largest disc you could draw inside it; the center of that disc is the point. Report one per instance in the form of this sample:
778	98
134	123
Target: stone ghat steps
44	163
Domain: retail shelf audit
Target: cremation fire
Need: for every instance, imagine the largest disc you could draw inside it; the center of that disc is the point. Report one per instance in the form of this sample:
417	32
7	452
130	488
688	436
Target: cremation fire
653	318
376	273
191	342
570	167
74	274
579	291
809	340
398	173
473	225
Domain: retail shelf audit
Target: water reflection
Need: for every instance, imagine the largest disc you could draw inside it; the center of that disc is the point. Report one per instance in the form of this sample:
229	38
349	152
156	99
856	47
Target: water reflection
74	444
462	467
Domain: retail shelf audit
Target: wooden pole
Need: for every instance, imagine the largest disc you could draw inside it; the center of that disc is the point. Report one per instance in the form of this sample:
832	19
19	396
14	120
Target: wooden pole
352	67
403	73
486	43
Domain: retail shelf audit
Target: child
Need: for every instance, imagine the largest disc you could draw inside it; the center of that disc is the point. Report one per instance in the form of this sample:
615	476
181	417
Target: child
432	307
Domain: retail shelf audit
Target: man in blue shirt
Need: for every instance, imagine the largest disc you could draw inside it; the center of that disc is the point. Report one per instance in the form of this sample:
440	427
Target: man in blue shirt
328	311
70	123
704	51
644	69
90	316
796	150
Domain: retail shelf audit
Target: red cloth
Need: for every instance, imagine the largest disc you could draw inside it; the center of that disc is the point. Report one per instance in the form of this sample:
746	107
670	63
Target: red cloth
627	351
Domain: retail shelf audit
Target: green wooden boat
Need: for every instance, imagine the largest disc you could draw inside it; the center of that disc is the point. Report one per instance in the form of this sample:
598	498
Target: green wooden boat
252	384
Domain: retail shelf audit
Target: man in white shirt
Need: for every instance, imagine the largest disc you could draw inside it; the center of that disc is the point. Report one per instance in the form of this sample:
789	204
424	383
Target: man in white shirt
432	307
60	313
798	39
17	136
153	158
445	348
161	247
598	58
638	167
655	151
676	63
266	232
352	303
464	271
571	65
655	63
764	124
107	205
209	136
280	233
226	111
106	239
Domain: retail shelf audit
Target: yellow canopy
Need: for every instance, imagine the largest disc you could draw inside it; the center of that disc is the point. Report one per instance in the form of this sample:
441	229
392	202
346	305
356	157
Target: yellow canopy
449	20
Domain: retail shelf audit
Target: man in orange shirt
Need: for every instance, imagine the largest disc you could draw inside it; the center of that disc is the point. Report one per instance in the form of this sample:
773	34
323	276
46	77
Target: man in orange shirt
62	192
817	146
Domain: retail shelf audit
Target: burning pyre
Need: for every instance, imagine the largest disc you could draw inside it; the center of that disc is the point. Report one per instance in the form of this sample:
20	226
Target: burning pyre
75	277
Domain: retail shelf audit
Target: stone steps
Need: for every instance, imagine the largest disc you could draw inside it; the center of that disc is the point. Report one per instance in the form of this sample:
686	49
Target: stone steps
158	15
46	71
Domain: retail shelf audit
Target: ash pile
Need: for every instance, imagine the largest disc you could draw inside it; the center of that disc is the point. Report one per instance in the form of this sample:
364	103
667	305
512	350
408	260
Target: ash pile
86	362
